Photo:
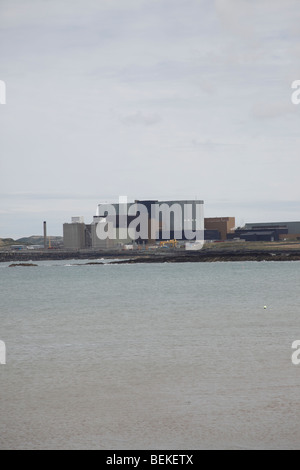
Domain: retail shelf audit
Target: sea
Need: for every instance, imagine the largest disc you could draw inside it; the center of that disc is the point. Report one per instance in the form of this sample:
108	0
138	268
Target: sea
150	356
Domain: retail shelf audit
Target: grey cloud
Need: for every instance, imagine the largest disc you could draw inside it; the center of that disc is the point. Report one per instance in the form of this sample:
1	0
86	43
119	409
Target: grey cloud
258	17
47	196
267	110
139	118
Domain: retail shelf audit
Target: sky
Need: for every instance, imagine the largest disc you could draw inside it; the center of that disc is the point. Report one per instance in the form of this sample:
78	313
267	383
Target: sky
149	99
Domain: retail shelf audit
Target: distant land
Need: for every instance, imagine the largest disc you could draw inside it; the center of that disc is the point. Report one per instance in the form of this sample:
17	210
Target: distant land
33	240
6	242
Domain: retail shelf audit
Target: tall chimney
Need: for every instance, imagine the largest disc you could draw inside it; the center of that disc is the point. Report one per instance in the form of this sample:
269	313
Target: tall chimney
45	235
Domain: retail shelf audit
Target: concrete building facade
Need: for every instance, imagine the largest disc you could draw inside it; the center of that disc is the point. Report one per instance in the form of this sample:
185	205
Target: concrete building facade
74	236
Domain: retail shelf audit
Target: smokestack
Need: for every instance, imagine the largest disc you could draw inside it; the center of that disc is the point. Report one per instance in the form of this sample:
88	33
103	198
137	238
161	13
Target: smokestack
45	235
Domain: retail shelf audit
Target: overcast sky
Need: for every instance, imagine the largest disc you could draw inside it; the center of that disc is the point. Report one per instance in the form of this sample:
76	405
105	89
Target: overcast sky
161	99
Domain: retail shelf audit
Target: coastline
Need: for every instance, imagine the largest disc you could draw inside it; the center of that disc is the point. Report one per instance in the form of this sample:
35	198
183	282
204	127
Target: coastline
224	253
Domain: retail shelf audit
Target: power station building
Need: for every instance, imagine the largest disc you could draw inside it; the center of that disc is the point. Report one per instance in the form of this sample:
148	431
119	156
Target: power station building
77	235
141	222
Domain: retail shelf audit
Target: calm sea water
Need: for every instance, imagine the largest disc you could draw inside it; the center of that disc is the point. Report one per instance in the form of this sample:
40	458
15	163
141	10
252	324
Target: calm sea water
162	356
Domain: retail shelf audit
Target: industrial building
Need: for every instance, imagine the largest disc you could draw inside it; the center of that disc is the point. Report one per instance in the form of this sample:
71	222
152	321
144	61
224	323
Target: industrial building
271	231
286	230
77	235
256	235
165	220
218	228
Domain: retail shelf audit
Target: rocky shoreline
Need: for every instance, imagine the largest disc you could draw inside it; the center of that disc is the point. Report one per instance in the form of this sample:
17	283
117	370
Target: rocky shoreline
121	257
213	258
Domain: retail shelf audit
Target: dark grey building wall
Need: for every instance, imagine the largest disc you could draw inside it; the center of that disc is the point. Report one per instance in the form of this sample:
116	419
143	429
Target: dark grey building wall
74	236
292	227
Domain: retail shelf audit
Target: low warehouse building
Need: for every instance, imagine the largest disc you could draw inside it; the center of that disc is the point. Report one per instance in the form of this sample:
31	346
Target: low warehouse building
286	230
